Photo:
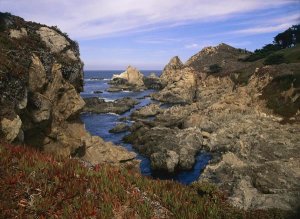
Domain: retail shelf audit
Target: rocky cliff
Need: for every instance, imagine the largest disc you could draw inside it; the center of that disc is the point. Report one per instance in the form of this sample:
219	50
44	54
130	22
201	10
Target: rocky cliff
179	83
41	75
251	129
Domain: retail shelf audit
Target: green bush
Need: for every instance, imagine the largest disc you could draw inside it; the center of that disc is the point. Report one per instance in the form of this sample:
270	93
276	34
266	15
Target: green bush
215	68
262	53
275	59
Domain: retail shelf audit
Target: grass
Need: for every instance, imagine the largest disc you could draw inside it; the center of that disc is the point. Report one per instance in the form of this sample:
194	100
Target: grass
38	185
291	55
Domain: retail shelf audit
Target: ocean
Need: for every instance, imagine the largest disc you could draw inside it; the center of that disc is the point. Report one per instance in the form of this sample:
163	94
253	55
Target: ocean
100	124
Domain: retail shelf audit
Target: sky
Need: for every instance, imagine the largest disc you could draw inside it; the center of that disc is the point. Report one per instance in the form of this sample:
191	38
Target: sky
113	34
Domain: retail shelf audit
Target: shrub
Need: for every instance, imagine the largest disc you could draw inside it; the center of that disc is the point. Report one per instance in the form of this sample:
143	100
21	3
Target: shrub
37	185
215	68
275	59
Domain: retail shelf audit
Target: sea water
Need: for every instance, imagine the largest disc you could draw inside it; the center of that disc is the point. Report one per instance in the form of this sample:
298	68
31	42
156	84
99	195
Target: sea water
100	124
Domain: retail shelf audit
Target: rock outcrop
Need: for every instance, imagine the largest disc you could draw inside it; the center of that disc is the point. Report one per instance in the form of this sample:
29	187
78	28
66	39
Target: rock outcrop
171	70
226	57
131	79
251	130
179	83
40	79
120	106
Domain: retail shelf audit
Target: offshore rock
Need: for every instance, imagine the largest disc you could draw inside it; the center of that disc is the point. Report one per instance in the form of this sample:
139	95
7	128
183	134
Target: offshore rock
131	79
120	106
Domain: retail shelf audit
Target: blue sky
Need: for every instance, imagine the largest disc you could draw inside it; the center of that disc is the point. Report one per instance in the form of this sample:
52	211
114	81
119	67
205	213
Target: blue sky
113	34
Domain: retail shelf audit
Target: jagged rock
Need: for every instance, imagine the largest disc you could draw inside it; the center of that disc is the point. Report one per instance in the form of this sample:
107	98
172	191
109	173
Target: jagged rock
180	89
172	71
131	79
119	106
121	127
251	131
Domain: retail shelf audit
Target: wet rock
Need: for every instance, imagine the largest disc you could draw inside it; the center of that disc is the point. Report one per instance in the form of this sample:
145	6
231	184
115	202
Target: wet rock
98	92
96	105
121	127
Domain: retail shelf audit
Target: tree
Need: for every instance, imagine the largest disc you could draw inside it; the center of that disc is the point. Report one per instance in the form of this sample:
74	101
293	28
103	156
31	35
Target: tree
288	38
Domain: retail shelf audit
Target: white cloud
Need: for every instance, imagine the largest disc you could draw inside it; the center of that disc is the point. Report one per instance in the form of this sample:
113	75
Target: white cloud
192	46
274	25
264	29
100	18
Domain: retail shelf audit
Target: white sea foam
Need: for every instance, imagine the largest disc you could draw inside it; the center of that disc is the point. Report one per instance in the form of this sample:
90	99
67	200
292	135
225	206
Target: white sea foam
107	99
94	79
115	114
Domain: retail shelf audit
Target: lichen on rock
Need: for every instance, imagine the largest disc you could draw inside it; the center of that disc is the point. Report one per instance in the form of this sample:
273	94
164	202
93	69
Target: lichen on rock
39	93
